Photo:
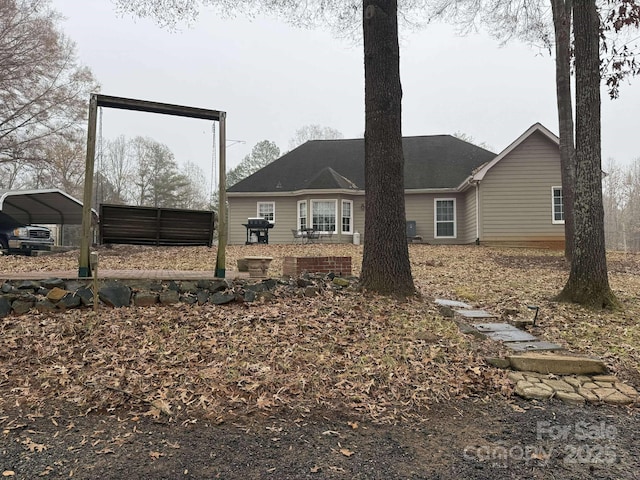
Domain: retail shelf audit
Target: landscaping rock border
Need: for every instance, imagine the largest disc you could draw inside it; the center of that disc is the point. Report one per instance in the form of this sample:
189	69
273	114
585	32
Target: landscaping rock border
54	294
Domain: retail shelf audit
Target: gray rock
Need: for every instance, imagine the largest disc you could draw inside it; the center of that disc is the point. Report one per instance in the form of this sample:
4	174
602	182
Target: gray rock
219	286
70	300
220	298
169	297
311	291
249	296
188	299
73	285
21	306
270	283
203	284
255	287
86	295
202	296
115	294
42	291
45	305
5	306
52	283
29	285
6	287
188	287
173	286
144	299
266	296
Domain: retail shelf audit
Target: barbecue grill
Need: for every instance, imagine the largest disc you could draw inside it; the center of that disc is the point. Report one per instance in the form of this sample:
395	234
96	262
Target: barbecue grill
257	230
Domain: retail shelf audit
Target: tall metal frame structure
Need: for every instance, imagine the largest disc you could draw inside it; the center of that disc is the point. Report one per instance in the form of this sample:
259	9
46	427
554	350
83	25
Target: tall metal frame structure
97	100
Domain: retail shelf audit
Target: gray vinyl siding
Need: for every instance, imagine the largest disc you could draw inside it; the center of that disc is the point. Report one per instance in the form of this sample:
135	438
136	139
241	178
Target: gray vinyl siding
286	216
420	208
242	208
515	194
468	222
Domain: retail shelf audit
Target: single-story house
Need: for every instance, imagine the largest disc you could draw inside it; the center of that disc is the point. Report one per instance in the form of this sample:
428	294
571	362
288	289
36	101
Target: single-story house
456	192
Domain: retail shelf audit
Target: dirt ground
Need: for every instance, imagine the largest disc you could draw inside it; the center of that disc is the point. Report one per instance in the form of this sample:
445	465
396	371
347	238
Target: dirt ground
464	439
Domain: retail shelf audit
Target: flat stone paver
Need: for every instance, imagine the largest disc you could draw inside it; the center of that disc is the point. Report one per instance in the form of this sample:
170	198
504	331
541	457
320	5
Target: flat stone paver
537	346
548	362
574	389
452	303
475	314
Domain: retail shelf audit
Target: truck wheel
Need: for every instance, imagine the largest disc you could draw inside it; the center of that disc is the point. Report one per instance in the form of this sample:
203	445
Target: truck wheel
4	245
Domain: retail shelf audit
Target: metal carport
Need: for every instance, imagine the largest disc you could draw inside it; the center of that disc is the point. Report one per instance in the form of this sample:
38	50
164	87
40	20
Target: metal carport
43	207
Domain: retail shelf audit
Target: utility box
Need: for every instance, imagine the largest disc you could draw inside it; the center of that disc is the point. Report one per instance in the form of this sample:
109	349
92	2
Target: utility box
412	230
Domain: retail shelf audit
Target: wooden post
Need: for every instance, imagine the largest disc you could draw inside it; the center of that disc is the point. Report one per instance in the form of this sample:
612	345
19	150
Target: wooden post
84	269
222	206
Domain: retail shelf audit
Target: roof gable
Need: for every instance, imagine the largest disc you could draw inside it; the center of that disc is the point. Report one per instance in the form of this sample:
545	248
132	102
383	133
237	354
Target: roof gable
328	178
431	162
533	129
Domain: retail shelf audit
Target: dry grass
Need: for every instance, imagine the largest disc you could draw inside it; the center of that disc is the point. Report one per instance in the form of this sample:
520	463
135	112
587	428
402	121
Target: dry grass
380	357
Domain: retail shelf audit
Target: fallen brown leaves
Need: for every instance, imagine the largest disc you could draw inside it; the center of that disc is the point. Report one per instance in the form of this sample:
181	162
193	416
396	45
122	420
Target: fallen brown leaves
380	357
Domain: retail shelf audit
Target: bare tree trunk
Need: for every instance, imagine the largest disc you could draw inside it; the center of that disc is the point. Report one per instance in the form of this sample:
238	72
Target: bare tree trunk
588	282
385	264
562	27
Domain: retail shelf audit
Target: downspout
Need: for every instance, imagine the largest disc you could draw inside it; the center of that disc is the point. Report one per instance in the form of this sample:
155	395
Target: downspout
477	184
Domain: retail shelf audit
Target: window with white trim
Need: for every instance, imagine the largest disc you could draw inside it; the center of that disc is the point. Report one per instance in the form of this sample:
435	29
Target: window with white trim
347	216
445	218
323	215
557	205
267	210
302	214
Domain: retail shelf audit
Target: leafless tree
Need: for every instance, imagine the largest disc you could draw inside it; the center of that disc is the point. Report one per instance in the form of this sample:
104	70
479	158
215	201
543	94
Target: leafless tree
313	132
43	89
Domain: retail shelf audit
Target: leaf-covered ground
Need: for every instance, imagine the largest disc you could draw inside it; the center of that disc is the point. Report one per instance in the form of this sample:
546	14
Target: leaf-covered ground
381	358
343	385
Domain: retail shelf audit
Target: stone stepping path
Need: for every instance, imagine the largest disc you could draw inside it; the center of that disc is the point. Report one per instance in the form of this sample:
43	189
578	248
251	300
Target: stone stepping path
574	389
513	337
541	372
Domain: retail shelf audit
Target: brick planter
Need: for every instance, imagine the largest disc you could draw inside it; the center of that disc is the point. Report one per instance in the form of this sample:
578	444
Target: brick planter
294	266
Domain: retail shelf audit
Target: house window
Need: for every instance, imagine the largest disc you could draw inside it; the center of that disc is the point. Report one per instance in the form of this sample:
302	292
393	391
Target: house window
557	205
445	218
347	216
267	210
302	215
323	213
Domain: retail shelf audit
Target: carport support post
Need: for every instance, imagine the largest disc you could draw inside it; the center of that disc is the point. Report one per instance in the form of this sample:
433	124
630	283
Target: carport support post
222	200
84	270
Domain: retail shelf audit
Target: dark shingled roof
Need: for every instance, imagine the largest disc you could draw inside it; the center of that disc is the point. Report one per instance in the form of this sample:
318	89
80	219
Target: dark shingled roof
438	161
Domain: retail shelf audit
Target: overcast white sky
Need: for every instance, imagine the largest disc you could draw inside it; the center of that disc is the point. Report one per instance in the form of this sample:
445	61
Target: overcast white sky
272	79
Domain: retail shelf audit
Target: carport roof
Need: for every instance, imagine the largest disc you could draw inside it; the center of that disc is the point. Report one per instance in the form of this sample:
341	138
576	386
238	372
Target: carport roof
48	206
